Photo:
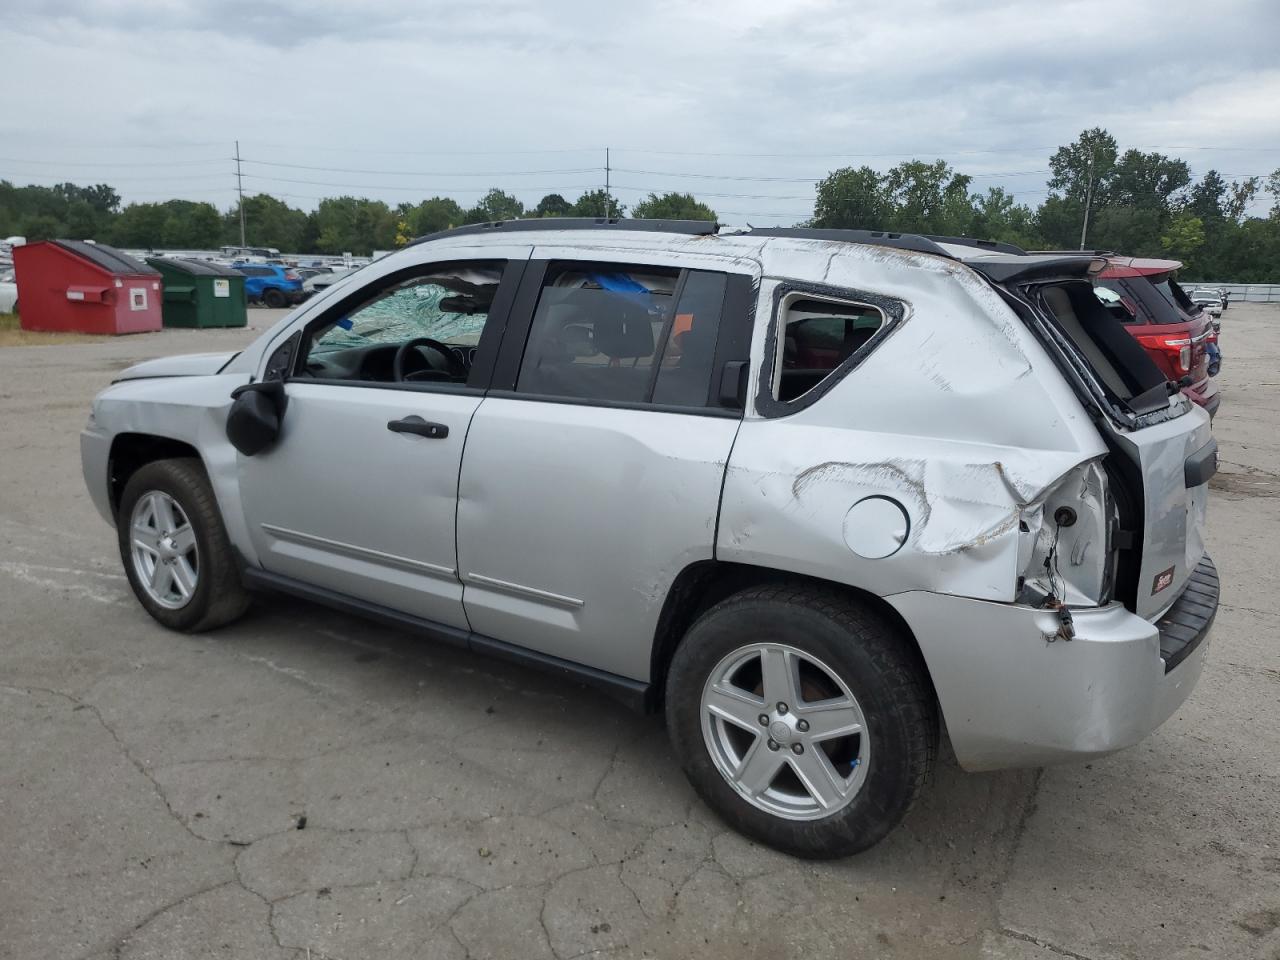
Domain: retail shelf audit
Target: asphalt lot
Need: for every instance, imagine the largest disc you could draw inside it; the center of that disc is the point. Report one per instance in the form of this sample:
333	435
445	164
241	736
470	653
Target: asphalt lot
153	786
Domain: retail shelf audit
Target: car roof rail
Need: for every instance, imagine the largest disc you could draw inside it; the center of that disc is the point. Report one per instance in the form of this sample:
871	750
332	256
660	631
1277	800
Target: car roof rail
1089	253
695	228
902	241
995	246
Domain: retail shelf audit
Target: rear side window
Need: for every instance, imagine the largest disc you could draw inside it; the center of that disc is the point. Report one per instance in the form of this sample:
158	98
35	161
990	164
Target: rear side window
818	336
625	334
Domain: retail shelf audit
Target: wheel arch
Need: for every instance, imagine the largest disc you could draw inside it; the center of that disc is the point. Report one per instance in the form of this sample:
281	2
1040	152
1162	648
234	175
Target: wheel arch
703	584
132	451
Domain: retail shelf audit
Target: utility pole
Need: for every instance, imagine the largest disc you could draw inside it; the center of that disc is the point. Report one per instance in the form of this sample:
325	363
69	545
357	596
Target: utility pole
1088	199
608	197
240	191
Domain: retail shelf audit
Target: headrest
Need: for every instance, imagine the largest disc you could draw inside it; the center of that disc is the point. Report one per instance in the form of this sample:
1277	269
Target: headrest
622	329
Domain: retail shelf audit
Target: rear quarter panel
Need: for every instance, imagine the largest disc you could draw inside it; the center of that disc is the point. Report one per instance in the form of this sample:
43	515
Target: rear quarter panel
959	415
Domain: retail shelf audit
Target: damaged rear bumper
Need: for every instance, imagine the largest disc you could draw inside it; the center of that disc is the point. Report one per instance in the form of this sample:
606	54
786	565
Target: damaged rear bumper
1012	697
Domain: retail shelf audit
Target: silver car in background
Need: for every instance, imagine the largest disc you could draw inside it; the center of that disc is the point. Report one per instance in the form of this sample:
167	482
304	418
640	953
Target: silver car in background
811	493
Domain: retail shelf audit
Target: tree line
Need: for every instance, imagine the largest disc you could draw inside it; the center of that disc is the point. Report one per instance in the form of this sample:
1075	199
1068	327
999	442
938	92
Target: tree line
1143	204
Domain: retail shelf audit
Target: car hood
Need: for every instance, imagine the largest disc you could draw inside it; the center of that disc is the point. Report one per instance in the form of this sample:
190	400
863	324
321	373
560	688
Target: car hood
186	365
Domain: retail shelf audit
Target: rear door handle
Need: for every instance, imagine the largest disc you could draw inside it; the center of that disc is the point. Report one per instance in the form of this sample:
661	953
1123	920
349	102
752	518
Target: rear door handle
423	428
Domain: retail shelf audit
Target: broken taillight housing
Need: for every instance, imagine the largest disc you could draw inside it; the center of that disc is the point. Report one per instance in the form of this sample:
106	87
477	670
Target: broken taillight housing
1067	542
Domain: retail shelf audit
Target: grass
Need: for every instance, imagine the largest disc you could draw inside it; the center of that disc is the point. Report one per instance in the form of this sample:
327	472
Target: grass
12	335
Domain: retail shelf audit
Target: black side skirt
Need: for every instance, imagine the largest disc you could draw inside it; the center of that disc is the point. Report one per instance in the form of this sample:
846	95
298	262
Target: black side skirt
632	693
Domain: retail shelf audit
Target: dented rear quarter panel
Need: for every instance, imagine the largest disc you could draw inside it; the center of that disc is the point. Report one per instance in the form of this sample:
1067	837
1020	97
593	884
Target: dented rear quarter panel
959	415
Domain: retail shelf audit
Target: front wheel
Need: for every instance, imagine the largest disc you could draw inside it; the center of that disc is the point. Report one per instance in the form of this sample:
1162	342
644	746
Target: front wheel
802	718
273	298
175	550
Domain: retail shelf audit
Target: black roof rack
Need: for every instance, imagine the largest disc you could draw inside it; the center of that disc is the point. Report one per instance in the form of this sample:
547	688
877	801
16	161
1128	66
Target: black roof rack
695	228
1078	253
995	246
903	241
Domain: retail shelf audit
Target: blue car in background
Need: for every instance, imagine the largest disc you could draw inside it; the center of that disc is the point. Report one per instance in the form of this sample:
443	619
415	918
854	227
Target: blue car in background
270	284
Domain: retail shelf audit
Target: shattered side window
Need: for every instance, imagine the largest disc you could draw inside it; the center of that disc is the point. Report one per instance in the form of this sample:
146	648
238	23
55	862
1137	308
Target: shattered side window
817	336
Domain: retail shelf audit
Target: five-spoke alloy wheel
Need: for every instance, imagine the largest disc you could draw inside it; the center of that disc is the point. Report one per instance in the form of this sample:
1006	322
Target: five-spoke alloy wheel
784	731
175	549
803	716
165	556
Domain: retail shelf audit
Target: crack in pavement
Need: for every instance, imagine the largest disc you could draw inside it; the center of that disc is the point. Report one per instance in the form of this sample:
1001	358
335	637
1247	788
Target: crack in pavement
1045	944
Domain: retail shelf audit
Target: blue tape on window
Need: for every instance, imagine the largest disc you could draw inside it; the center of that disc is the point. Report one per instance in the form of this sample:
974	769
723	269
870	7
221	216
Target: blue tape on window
618	282
345	323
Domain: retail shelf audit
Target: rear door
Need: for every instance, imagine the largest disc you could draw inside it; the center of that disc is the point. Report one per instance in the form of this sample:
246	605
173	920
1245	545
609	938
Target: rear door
593	468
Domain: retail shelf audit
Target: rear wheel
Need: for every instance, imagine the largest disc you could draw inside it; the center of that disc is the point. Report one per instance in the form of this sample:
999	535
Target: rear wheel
273	298
802	718
175	549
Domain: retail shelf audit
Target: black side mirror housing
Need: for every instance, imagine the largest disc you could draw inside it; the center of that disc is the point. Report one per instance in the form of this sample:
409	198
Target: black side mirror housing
253	423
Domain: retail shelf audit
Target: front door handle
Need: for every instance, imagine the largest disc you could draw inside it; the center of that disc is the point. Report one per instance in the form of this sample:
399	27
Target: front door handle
423	428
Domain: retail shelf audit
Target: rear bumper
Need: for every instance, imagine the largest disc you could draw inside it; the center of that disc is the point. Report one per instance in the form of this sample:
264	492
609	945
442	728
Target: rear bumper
1013	697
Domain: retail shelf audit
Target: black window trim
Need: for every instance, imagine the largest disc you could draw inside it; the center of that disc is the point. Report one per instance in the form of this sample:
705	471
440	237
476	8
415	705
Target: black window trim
893	311
487	349
739	287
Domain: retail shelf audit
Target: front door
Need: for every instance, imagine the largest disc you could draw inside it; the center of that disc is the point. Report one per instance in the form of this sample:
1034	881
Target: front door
359	494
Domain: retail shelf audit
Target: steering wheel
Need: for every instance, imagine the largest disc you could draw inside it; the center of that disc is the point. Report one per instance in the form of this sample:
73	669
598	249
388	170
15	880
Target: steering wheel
457	368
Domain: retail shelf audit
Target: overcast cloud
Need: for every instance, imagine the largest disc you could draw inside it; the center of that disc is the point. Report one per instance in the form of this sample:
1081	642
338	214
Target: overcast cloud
402	100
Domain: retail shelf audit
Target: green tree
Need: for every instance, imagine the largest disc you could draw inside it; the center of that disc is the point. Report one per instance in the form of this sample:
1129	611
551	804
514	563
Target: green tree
1183	237
41	227
929	198
432	216
672	206
552	205
140	225
495	205
355	225
597	203
852	199
997	216
269	222
1090	159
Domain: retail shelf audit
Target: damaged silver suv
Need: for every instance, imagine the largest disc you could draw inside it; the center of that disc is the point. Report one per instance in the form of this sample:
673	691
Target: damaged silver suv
812	493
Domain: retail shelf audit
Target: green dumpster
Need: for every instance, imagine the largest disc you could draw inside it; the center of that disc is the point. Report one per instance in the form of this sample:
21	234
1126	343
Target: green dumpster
198	293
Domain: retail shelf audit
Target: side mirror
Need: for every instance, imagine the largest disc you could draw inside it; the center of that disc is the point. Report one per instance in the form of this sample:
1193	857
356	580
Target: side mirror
253	423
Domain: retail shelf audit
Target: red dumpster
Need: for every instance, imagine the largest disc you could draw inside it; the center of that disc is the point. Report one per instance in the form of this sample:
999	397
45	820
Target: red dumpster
72	285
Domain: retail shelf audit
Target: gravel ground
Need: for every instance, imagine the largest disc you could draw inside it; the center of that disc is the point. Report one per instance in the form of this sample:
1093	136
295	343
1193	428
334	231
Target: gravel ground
304	784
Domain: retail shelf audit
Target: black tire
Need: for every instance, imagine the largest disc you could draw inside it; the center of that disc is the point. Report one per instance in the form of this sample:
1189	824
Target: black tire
881	668
219	596
273	298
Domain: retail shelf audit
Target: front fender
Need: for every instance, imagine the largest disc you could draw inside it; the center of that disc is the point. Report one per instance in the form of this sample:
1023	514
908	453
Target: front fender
192	410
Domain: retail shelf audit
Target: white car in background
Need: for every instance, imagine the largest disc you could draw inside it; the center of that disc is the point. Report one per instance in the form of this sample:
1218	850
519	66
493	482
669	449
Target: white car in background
8	292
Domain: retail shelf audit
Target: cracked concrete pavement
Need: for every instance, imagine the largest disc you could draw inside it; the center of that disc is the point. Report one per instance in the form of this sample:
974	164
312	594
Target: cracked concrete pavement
304	784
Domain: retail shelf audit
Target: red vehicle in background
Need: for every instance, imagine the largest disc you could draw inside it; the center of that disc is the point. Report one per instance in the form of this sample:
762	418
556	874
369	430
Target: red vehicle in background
1178	336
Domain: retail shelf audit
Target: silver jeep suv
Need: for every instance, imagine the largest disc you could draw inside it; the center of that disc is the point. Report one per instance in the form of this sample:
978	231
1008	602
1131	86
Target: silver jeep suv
809	492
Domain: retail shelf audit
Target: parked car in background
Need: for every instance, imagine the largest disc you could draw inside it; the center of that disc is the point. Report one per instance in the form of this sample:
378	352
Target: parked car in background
804	490
270	284
1210	300
1142	294
8	292
322	281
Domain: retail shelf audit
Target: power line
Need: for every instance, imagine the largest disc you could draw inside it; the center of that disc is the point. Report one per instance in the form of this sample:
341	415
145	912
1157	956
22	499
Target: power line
423	173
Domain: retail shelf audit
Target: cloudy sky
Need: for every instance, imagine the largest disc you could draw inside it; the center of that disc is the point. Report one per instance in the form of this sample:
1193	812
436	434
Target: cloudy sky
743	102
